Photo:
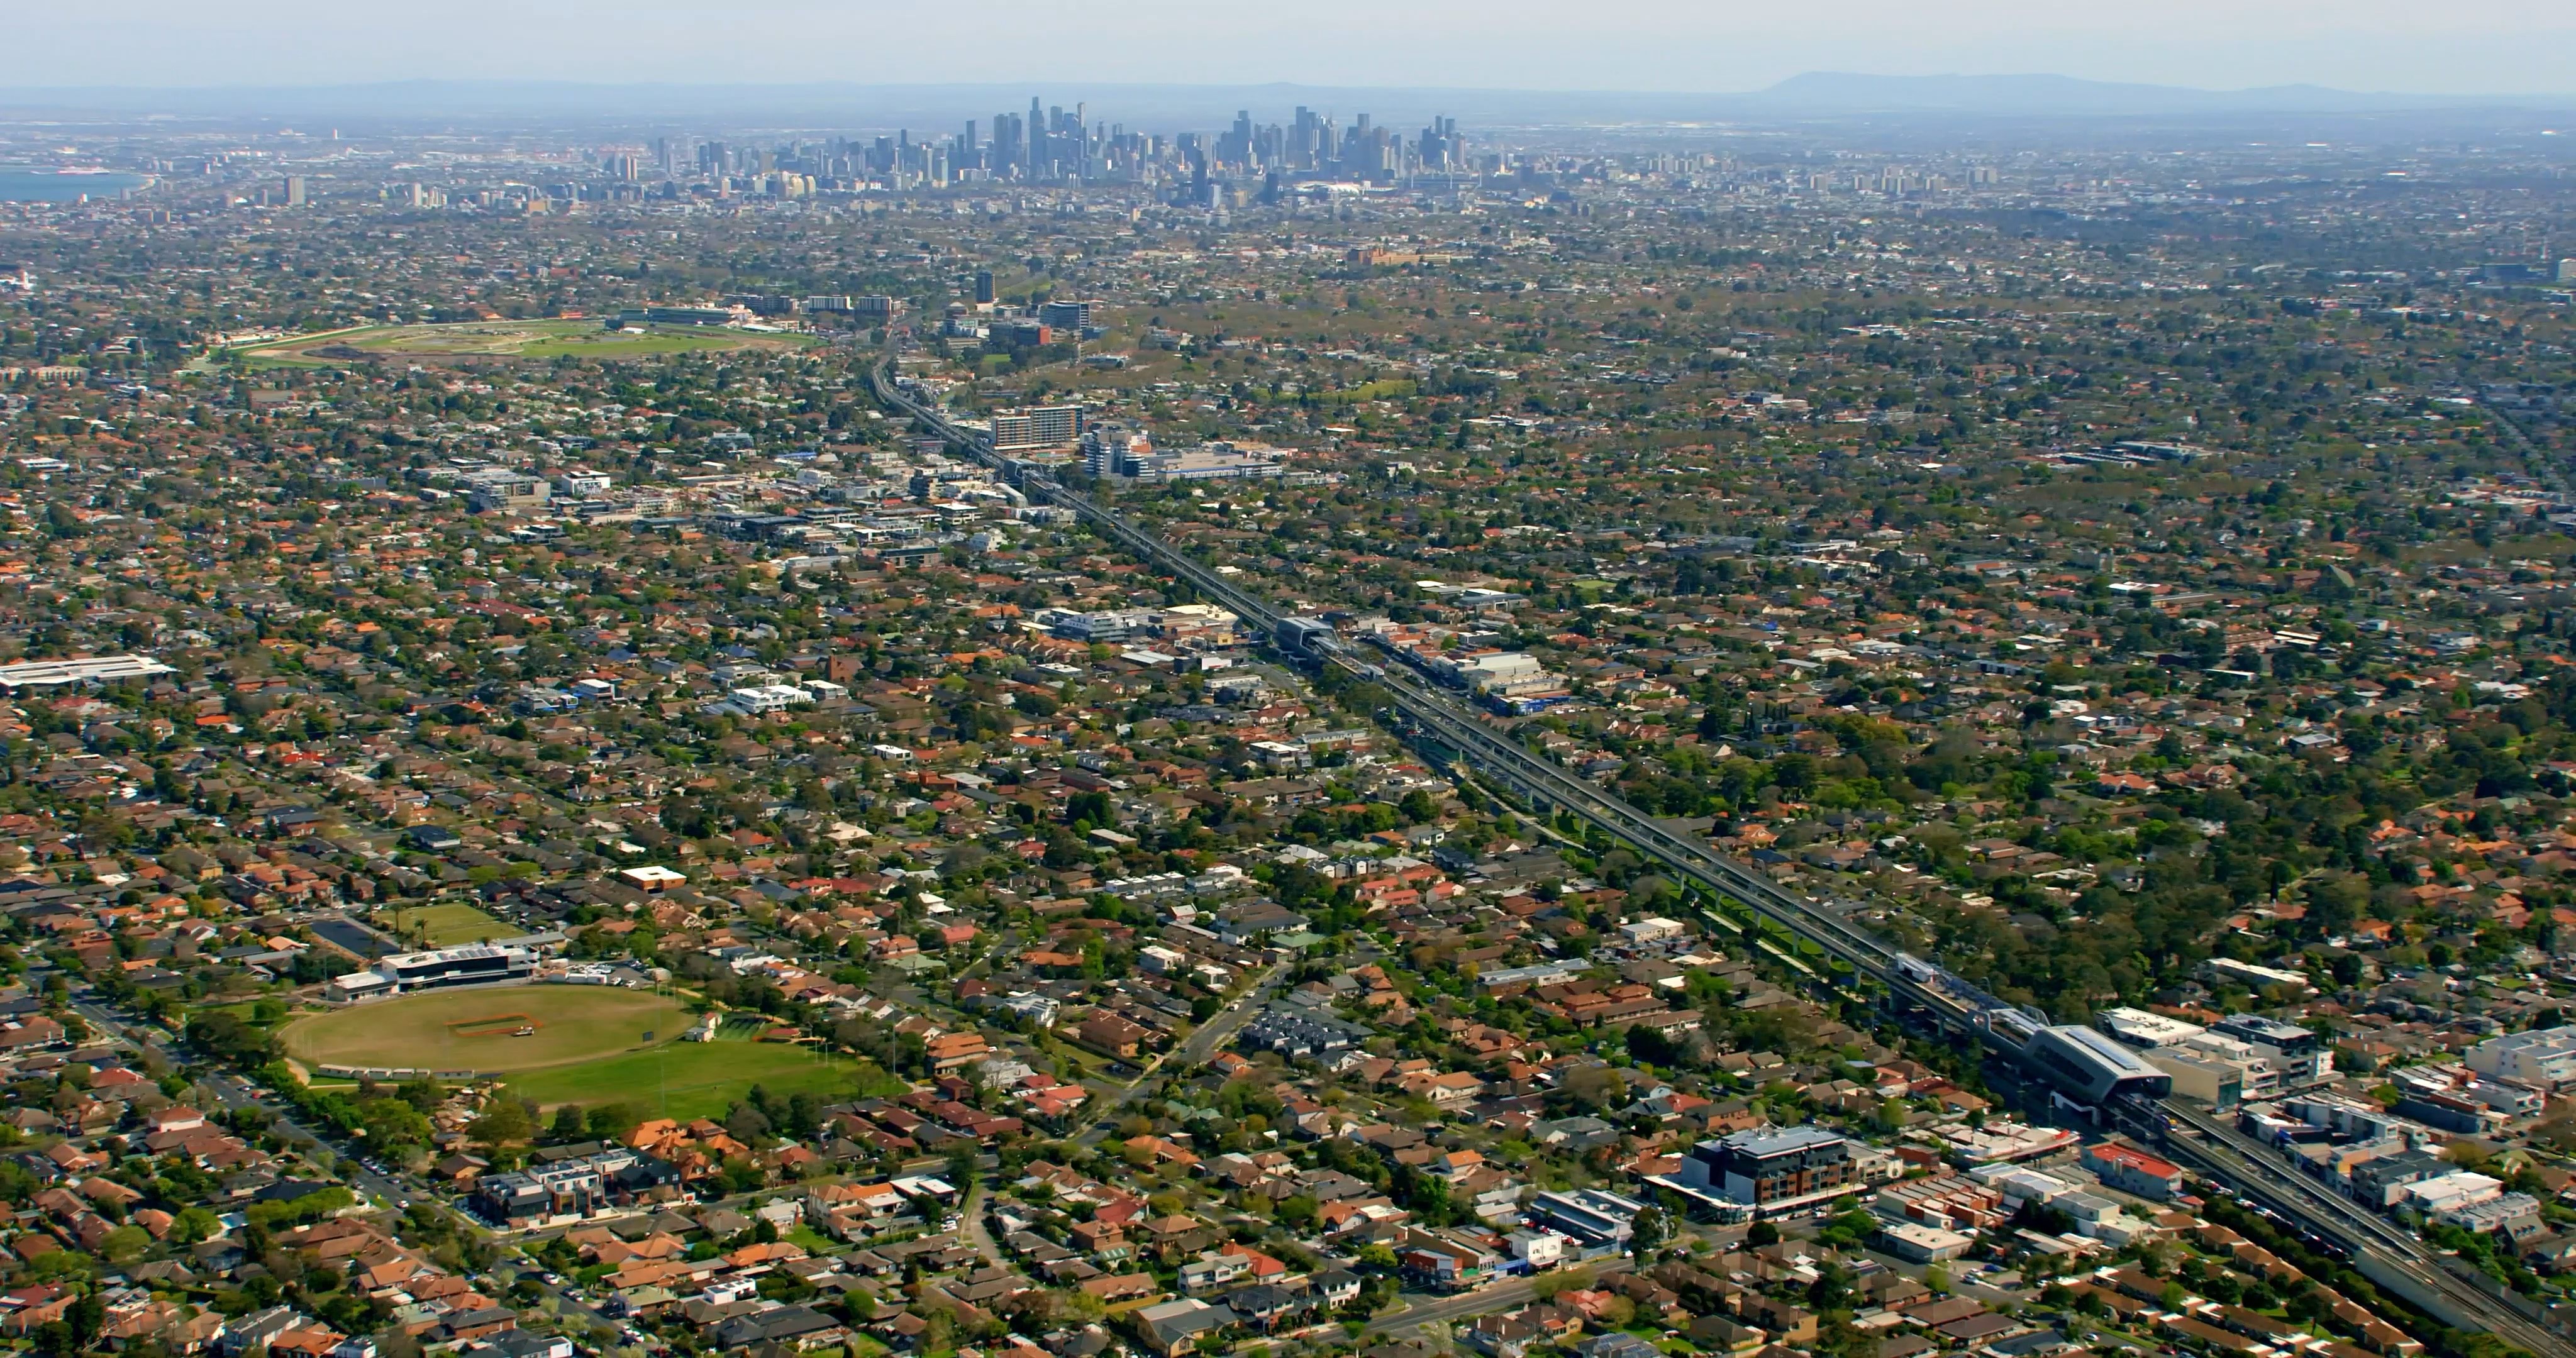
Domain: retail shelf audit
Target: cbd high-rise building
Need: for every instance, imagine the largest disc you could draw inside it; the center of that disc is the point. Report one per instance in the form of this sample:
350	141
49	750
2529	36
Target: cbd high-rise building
1010	143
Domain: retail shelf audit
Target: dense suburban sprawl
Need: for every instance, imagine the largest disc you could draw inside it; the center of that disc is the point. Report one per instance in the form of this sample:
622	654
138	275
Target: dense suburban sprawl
629	743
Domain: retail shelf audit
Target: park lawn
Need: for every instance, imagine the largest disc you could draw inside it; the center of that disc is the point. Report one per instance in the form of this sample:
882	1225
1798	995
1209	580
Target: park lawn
688	1079
527	339
442	926
599	343
470	1029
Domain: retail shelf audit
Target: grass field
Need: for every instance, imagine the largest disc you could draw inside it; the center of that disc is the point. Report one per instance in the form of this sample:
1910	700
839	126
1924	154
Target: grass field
446	925
687	1079
472	341
584	1026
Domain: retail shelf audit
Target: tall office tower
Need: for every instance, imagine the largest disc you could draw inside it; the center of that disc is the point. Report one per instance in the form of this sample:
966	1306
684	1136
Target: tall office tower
1041	148
662	155
1008	142
295	190
1238	145
1440	147
966	146
984	286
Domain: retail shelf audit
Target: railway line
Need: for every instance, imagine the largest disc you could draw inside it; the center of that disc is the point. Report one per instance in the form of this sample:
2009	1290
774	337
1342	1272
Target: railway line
2380	1250
1465	736
2389	1256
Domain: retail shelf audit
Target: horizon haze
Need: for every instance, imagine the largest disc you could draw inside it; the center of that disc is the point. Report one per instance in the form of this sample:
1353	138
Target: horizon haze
2477	48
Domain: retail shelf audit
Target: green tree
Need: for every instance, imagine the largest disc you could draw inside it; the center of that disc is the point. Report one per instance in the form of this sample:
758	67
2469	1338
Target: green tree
505	1121
393	1123
610	1121
124	1245
570	1123
1648	1232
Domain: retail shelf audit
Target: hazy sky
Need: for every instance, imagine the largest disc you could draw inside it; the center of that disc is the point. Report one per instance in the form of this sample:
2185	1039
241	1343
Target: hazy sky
2459	46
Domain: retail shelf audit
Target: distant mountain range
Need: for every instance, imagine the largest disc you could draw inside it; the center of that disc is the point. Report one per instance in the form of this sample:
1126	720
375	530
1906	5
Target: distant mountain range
932	109
2061	96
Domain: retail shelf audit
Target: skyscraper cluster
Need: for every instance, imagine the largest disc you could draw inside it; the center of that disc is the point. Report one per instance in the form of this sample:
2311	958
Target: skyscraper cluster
1055	145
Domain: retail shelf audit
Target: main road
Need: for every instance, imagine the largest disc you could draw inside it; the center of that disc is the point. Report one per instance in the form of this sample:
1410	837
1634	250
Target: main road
1501	1296
1195	1049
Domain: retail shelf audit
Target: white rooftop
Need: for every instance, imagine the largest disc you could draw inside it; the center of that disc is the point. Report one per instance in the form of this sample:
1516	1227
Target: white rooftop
55	673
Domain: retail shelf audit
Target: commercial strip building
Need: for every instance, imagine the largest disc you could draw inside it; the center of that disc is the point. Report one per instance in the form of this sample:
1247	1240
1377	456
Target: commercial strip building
1598	1220
1922	1244
2133	1171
